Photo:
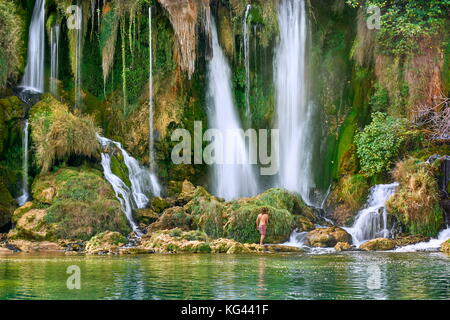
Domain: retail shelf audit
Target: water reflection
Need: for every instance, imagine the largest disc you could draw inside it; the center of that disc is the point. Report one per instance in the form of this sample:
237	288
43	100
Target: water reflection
338	276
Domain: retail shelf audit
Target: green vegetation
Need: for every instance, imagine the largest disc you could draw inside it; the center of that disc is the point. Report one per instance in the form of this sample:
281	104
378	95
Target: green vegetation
379	143
79	202
12	35
404	22
416	202
58	134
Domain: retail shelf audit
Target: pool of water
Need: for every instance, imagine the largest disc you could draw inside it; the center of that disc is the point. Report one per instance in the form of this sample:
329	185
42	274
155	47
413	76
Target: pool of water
351	275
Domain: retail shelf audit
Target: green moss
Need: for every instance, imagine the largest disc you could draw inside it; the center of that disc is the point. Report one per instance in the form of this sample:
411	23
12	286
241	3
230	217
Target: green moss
84	204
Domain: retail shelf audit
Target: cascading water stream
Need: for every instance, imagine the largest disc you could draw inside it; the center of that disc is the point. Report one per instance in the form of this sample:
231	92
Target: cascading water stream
33	79
294	111
246	34
143	182
78	53
54	61
433	244
371	222
233	177
25	188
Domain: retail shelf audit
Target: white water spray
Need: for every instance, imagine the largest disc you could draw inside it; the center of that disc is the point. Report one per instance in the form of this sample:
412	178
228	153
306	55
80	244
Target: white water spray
33	79
235	178
78	53
371	222
432	245
54	61
294	111
143	182
25	188
246	34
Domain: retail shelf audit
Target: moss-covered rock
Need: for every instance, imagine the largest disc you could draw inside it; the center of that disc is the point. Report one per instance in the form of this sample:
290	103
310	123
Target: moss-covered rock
327	237
7	205
145	216
174	241
445	247
82	203
416	202
105	243
30	224
407	240
379	244
175	217
343	246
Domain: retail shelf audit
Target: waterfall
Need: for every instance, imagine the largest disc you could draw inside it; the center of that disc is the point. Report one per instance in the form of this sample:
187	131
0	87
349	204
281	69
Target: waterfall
143	182
246	34
33	79
234	177
54	62
371	222
78	53
294	111
433	244
25	189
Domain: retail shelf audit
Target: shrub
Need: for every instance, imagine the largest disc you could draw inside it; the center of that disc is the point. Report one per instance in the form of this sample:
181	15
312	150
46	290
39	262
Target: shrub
379	143
58	134
416	202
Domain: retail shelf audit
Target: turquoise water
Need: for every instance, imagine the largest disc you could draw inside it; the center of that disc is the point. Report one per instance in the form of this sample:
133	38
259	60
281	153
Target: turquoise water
352	275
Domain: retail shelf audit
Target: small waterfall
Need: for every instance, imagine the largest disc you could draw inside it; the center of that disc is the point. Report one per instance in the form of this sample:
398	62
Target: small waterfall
246	33
233	177
54	62
143	182
25	188
432	245
33	79
371	222
294	111
296	239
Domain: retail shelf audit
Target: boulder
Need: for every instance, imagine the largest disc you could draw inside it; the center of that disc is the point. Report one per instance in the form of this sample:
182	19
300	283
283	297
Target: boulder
105	243
407	240
175	217
146	216
159	204
81	203
30	224
173	241
327	237
379	244
343	246
36	246
304	224
445	247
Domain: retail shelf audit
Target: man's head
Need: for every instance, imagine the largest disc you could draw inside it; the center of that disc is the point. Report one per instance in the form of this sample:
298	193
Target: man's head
264	210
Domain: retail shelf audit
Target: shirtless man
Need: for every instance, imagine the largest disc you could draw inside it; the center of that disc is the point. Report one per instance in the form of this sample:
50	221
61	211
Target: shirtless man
261	224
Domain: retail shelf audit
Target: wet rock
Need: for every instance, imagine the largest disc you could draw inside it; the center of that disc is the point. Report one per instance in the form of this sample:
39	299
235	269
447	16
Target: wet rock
445	247
327	237
36	246
304	224
105	243
407	240
159	204
175	217
169	241
146	216
30	224
343	246
379	244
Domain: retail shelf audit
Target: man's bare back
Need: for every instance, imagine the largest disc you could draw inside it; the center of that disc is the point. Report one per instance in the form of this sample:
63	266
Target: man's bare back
261	224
